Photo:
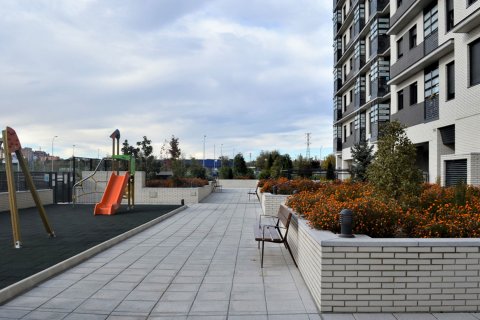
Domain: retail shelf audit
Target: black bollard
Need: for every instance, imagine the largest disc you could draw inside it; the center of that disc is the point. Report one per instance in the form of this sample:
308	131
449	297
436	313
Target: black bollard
346	224
182	202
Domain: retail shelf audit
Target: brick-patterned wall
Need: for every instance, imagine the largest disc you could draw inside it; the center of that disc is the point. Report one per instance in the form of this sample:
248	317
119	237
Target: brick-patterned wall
94	188
271	202
25	200
387	275
238	184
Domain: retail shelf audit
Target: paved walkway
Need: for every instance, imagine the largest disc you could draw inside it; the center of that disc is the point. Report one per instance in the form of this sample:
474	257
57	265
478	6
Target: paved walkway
200	264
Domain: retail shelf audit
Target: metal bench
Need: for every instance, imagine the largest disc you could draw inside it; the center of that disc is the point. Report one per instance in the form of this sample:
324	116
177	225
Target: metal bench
250	192
272	232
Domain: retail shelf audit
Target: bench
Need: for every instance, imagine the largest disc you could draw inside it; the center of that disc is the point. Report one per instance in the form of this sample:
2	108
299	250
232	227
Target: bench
250	192
272	231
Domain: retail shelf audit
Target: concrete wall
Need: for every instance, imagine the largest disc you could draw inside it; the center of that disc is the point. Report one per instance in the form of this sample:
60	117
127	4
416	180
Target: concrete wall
93	190
238	184
25	200
387	275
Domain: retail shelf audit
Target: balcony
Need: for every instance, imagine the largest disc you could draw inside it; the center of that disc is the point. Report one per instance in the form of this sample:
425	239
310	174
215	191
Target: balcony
377	6
359	135
431	107
401	11
337	85
415	55
359	99
410	115
379	88
379	44
337	144
337	115
358	62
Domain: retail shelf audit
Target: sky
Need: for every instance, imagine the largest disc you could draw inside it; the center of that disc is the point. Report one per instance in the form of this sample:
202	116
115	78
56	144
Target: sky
237	76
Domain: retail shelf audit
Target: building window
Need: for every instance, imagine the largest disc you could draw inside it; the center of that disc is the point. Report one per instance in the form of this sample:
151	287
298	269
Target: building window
451	80
450	15
413	93
345	103
344	10
413	36
351	95
430	20
400	48
399	3
471	2
344	42
351	63
351	128
344	133
344	72
431	81
350	32
369	122
400	100
474	50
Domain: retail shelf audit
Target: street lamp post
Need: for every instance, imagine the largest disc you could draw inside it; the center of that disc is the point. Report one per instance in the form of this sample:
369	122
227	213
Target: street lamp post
73	151
53	139
204	136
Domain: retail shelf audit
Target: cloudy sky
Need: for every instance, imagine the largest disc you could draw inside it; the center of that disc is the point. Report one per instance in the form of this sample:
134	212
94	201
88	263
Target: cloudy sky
251	75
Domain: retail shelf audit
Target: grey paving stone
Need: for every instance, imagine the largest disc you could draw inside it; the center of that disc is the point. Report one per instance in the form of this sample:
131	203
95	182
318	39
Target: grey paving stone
288	317
346	316
27	303
12	313
179	296
455	316
63	304
140	295
184	287
172	307
45	315
205	307
414	316
97	306
247	307
135	307
83	316
374	316
111	294
213	295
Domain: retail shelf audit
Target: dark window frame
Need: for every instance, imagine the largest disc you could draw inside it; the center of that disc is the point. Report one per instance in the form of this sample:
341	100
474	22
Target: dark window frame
430	20
450	15
474	62
450	79
431	81
400	48
413	88
412	37
400	100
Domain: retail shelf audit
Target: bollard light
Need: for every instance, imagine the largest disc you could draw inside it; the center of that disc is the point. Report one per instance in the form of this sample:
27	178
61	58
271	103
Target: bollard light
346	224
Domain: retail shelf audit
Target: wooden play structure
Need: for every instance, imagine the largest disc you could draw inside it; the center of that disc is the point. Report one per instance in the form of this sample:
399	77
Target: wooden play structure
12	145
118	186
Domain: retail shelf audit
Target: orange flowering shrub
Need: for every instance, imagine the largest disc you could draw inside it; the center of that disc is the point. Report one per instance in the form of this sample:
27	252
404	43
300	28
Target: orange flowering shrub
322	207
436	212
176	183
285	186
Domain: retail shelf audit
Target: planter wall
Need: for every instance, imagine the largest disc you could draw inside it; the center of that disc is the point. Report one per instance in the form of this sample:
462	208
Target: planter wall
387	275
238	184
271	202
94	190
25	200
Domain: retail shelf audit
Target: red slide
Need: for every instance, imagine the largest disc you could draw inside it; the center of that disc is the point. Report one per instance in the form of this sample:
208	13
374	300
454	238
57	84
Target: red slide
113	195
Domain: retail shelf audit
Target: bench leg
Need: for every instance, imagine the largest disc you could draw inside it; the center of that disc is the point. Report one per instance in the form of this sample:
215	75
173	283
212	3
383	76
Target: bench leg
263	248
291	254
258	244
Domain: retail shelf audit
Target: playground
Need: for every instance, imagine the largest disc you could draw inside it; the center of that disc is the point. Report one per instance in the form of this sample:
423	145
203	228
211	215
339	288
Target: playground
76	230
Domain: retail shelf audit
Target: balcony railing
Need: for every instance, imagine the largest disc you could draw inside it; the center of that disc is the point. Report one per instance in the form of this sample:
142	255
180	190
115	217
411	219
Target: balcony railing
379	88
431	107
379	44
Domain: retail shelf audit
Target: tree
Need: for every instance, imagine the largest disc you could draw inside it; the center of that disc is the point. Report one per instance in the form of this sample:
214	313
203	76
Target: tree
393	172
303	166
127	149
330	159
196	170
239	166
146	158
174	149
362	155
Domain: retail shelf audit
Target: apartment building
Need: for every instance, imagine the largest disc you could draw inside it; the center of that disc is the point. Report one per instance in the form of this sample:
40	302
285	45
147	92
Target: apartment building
361	72
433	81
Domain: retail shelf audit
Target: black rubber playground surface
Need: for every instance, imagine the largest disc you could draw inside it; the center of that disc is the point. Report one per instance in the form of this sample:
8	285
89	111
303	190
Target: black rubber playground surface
76	229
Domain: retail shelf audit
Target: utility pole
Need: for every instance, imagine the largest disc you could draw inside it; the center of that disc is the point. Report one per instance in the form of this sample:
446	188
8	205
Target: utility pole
307	155
204	136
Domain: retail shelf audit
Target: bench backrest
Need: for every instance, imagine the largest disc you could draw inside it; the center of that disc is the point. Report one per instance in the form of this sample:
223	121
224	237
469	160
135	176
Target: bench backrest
284	216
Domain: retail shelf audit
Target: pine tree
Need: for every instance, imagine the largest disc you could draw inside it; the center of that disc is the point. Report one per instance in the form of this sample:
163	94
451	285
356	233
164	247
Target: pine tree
362	155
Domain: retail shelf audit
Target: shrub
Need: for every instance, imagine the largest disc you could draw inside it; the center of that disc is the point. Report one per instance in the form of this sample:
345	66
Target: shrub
177	183
285	186
436	211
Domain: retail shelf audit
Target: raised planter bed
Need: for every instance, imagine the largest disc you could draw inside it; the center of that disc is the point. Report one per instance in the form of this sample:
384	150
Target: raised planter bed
363	274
